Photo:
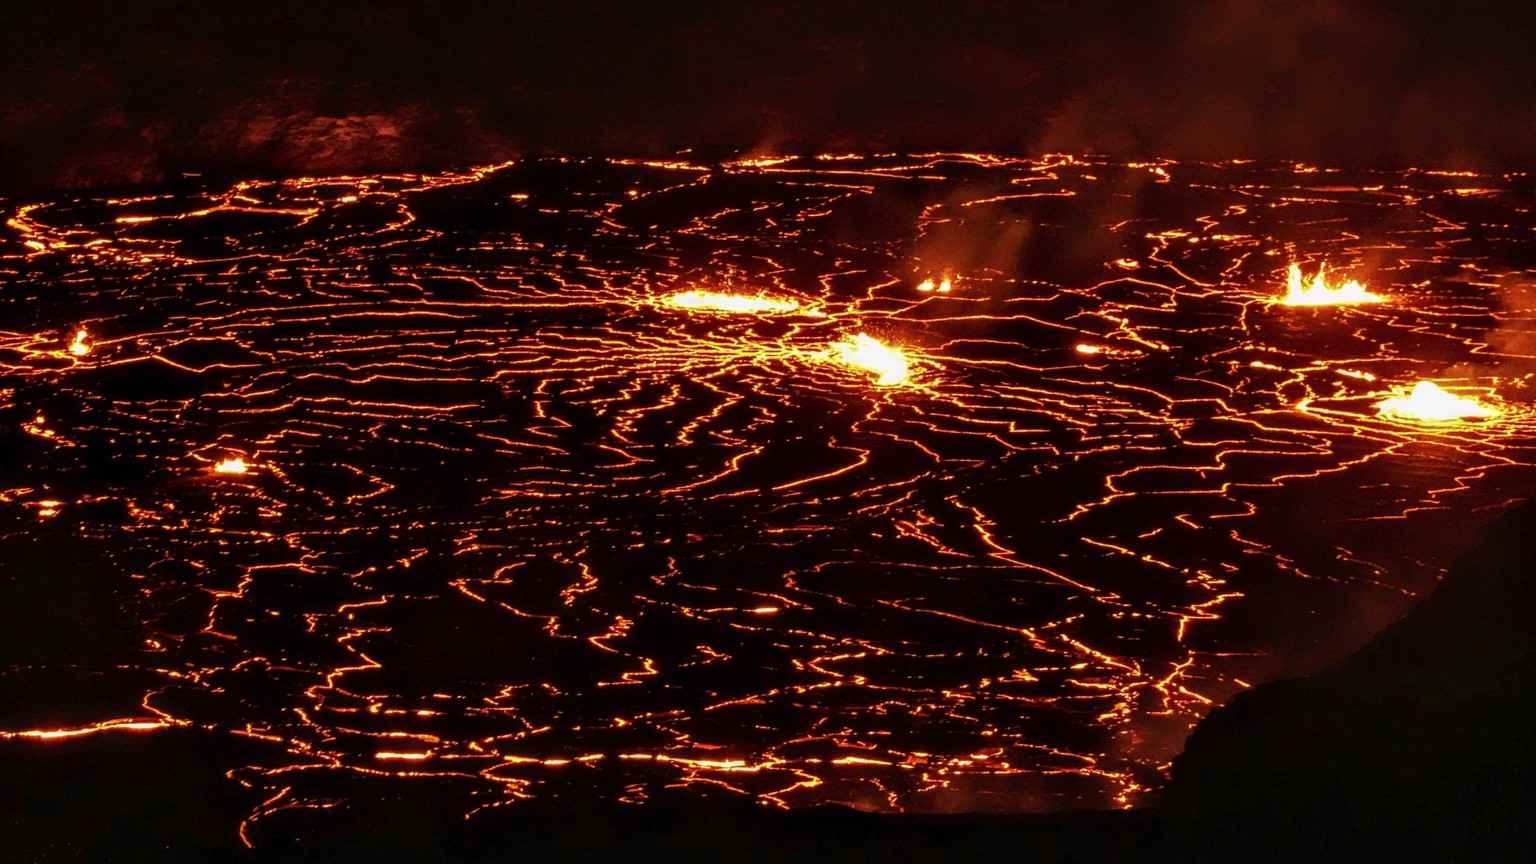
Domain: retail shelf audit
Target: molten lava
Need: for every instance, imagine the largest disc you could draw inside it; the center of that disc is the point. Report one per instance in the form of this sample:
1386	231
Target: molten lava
80	347
1429	403
1319	293
231	466
713	301
872	355
526	518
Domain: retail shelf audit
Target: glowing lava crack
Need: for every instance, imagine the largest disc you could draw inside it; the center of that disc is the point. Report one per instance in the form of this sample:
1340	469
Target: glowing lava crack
596	480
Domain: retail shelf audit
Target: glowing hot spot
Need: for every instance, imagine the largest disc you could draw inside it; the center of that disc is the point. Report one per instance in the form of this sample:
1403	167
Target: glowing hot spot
79	347
1319	293
872	355
231	466
713	301
943	286
1428	402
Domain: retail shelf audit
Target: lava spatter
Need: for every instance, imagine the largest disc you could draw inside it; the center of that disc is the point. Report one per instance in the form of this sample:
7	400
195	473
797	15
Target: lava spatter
1319	292
1429	402
889	365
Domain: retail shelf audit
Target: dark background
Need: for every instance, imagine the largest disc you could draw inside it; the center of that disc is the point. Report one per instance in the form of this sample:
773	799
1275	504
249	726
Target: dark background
100	94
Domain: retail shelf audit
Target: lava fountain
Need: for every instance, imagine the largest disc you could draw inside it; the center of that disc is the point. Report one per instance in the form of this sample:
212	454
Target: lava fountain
1428	402
235	465
1319	293
870	354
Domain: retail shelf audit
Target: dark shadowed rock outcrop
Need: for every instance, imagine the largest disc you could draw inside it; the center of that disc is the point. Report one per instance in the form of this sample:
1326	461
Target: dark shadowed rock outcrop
1419	746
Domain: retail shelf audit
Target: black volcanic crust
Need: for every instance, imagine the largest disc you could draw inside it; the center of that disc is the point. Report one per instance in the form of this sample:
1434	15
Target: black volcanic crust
1417	747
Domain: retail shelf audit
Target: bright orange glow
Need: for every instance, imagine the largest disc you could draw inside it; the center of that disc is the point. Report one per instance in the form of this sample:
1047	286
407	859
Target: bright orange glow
763	161
872	355
1319	293
122	725
755	453
713	301
1429	403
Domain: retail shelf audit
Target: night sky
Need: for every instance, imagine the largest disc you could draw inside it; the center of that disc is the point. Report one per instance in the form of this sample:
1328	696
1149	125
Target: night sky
101	94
